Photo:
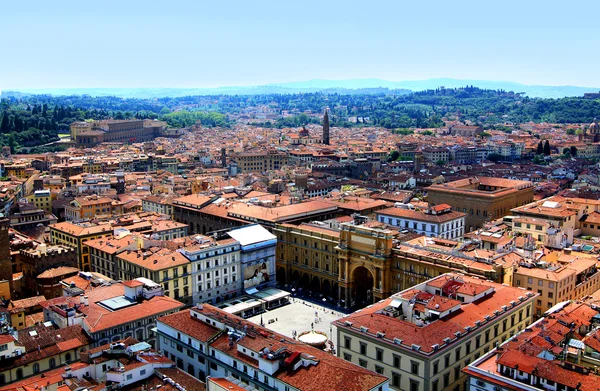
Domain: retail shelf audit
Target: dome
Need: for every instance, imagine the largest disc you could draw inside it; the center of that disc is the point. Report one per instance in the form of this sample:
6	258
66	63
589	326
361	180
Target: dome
594	127
304	132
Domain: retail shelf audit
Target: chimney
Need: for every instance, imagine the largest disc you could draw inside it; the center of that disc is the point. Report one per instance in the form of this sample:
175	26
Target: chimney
86	301
81	299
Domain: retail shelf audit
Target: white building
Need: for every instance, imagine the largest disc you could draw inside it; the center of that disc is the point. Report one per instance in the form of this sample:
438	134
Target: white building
257	255
437	221
216	269
208	341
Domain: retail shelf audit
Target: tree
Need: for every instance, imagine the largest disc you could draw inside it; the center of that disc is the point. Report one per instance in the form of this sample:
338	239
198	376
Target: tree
485	135
573	151
570	131
440	162
540	148
547	148
394	155
494	157
427	133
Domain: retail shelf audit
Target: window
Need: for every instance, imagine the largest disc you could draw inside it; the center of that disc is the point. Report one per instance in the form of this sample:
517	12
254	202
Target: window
347	357
551	285
363	348
129	376
436	368
53	363
397	361
378	369
446	361
457	354
456	373
347	342
477	342
414	367
446	380
379	354
362	363
414	385
435	385
395	380
530	280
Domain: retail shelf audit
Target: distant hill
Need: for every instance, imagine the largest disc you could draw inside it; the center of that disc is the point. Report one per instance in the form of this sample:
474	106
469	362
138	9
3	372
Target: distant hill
350	86
533	91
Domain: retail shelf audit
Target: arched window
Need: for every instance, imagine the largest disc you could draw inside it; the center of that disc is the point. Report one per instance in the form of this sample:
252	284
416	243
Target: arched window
36	368
68	357
2	379
19	373
52	362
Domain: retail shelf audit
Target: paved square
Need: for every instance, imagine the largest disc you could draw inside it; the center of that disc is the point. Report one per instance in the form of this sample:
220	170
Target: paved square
298	316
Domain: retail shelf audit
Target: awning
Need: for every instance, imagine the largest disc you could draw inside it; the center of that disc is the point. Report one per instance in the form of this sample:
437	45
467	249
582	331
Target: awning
251	291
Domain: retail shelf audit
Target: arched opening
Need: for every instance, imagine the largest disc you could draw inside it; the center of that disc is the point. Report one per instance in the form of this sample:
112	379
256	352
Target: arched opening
362	294
19	373
334	292
217	300
315	285
36	368
326	288
305	281
281	275
295	278
52	362
68	357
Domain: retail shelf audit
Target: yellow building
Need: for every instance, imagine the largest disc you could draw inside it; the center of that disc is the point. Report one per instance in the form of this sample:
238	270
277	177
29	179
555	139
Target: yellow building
421	338
20	309
563	276
41	199
163	266
73	235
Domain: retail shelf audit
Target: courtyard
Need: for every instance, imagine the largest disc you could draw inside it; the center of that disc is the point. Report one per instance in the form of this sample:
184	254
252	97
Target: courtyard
298	316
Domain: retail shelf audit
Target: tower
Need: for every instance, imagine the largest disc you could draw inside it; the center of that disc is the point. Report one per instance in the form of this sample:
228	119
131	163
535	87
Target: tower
223	158
326	128
5	261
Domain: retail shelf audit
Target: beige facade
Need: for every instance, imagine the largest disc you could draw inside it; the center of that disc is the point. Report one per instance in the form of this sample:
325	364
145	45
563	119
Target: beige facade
369	339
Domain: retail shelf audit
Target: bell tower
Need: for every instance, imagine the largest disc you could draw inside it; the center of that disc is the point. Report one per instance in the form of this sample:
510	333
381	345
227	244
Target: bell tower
326	128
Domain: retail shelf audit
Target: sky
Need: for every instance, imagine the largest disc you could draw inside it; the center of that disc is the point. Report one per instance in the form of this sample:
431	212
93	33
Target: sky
179	44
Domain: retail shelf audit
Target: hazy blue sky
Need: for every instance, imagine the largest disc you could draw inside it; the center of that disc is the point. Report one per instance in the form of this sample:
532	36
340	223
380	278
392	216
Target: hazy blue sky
198	43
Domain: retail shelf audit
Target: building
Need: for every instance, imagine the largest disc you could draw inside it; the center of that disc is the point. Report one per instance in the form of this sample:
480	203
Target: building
29	217
481	198
113	312
22	311
257	256
39	349
91	206
5	258
126	364
262	161
216	269
557	276
162	265
466	130
439	221
74	235
158	204
49	283
558	352
114	131
210	342
422	337
306	257
42	199
364	253
36	260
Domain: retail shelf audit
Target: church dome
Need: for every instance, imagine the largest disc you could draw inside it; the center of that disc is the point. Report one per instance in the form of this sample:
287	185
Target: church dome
594	127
